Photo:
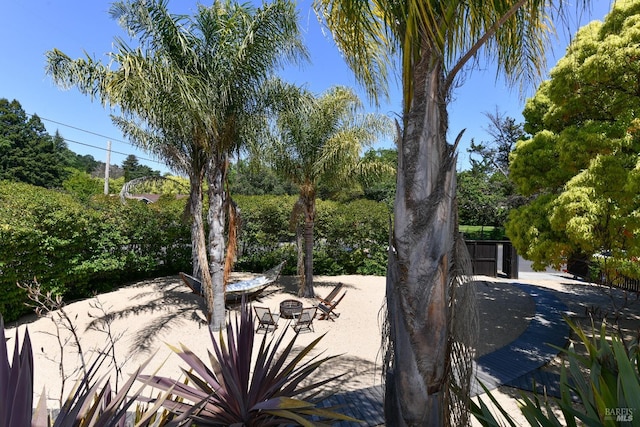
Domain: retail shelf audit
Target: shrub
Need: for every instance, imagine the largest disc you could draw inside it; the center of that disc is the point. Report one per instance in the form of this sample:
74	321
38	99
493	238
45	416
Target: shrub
349	238
610	389
265	238
89	404
356	236
76	249
137	240
42	234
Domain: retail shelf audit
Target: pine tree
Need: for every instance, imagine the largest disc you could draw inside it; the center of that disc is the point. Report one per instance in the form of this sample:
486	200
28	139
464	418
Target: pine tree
29	153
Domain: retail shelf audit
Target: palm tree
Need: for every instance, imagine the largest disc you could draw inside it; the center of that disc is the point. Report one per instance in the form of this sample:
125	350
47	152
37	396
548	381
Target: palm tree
324	143
193	92
434	41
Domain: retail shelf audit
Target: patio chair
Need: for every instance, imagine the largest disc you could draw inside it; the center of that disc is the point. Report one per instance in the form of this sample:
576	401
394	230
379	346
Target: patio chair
327	311
266	319
304	321
332	295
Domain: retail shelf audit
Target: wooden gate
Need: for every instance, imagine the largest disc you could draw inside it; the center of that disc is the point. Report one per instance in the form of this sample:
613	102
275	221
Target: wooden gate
485	255
509	260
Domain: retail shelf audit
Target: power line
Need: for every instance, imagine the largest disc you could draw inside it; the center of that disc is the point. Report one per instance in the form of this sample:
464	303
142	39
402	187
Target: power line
96	134
113	151
82	130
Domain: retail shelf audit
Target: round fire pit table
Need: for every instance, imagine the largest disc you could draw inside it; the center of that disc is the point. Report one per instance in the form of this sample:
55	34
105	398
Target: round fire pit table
290	308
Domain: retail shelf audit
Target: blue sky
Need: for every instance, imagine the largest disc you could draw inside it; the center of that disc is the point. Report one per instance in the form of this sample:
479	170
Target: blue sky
30	28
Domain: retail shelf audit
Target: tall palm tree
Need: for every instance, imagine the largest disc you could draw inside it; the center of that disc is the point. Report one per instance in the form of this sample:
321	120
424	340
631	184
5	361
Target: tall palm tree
192	92
431	41
323	141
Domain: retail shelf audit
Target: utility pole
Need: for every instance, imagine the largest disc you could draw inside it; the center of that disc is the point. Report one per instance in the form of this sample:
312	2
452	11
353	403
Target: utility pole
106	169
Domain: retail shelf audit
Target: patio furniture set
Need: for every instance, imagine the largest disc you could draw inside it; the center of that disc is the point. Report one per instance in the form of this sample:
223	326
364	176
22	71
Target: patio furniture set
289	308
302	316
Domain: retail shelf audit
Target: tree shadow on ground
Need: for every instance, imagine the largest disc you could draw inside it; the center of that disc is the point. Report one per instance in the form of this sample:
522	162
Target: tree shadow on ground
174	306
589	305
289	285
504	312
352	372
169	297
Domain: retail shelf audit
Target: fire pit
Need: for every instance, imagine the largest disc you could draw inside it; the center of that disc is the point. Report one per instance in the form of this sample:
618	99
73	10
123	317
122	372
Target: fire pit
290	308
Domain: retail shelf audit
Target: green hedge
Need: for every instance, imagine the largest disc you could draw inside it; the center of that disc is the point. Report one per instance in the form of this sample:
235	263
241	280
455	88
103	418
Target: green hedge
265	239
480	232
42	234
349	238
77	248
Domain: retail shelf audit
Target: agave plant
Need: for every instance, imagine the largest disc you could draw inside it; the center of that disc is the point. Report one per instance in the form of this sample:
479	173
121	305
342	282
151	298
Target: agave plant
235	391
16	382
91	403
608	396
94	403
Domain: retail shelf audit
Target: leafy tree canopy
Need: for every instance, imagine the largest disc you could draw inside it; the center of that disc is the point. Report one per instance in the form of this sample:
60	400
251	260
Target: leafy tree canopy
82	186
383	188
580	167
481	198
494	154
486	192
249	179
29	153
86	163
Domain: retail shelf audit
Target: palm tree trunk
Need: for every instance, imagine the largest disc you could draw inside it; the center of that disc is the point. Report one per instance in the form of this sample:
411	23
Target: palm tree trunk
300	257
421	257
195	208
216	175
198	238
309	201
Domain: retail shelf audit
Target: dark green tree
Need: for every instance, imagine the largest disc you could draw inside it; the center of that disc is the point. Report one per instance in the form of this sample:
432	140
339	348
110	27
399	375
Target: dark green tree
505	132
85	163
29	153
133	169
130	165
383	188
478	202
486	193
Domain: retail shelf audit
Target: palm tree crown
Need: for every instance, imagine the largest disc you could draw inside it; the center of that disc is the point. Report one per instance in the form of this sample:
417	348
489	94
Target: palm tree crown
323	142
193	91
378	34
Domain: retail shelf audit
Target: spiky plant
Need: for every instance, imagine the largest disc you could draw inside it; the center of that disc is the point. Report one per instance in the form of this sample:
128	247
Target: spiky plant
609	395
91	403
235	391
16	382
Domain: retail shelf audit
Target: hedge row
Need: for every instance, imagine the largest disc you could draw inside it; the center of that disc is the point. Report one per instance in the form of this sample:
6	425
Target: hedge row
76	249
349	238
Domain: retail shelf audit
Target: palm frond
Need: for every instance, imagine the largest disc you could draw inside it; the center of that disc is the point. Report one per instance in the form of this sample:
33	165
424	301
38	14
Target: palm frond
513	34
361	32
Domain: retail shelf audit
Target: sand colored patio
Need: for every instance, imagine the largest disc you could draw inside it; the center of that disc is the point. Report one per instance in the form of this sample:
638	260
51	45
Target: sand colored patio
146	316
